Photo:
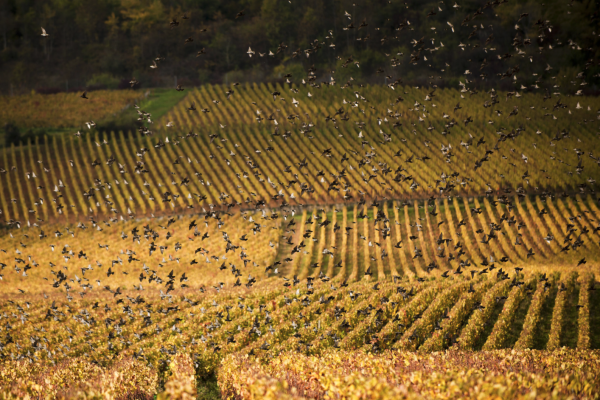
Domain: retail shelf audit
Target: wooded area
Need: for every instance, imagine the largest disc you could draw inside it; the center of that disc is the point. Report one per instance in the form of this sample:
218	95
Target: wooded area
104	43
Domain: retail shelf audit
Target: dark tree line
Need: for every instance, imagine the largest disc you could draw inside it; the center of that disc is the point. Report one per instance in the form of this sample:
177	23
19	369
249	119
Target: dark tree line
104	43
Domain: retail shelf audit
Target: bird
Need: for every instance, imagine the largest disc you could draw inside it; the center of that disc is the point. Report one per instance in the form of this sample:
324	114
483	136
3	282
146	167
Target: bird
332	153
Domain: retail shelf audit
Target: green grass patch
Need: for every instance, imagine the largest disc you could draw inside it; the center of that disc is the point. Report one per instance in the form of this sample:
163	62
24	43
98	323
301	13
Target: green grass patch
157	103
160	101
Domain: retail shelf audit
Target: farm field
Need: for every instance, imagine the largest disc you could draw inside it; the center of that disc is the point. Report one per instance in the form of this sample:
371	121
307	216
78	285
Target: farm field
232	251
294	159
388	239
299	200
192	315
151	333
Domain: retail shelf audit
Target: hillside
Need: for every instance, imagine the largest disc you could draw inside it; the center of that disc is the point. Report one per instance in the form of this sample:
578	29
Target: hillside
241	230
266	200
272	152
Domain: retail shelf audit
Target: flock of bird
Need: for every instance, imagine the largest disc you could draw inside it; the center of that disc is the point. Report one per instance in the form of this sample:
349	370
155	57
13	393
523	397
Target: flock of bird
419	55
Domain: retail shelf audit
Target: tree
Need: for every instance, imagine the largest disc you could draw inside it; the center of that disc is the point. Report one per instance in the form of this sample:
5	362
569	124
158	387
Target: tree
12	134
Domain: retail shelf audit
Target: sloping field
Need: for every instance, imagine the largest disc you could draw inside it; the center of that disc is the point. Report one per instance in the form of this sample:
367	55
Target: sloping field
251	250
340	152
78	344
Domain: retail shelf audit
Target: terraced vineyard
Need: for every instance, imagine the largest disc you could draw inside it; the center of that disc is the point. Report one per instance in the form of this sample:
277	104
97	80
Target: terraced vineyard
367	278
341	152
312	237
407	375
202	252
81	342
429	237
379	239
213	252
309	225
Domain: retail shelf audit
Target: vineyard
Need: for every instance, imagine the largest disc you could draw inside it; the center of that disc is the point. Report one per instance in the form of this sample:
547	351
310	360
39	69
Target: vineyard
239	149
373	201
160	340
366	280
301	246
399	239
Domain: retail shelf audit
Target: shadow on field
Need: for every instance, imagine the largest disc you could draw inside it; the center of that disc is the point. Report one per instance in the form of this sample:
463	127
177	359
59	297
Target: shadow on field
595	317
208	388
